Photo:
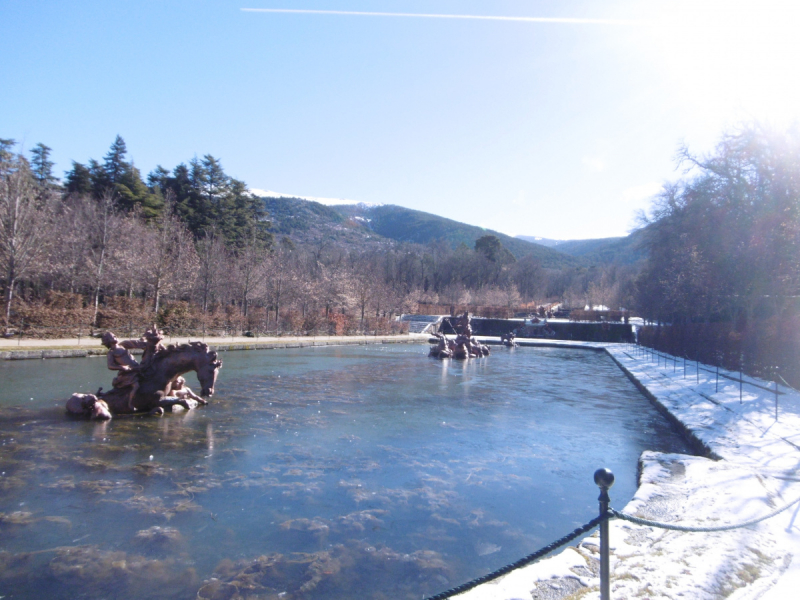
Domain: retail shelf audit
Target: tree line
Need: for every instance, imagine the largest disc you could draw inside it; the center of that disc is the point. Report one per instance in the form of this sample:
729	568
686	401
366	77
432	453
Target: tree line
723	246
106	237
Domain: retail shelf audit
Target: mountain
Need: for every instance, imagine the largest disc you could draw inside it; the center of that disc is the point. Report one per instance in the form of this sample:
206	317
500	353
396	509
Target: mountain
309	222
407	225
620	250
364	225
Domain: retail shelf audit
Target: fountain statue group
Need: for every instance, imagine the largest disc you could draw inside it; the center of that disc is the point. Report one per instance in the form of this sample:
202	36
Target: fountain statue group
463	346
153	385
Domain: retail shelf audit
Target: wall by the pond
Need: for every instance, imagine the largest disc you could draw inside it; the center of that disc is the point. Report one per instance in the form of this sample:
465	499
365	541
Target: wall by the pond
221	347
563	330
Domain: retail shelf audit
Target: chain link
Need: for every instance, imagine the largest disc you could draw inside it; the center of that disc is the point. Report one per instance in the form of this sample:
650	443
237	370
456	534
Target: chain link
673	527
523	561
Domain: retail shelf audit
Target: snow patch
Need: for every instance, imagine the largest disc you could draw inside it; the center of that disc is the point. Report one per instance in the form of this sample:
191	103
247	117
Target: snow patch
326	201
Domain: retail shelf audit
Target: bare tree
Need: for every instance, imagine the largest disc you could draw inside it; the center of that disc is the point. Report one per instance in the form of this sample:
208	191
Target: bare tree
250	270
24	224
213	259
102	231
168	254
279	275
66	262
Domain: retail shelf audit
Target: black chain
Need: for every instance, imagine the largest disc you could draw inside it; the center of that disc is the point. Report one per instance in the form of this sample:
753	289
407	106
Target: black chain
697	528
522	561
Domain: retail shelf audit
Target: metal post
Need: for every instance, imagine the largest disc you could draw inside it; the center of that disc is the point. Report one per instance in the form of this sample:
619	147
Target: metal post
716	389
684	366
697	364
776	393
604	479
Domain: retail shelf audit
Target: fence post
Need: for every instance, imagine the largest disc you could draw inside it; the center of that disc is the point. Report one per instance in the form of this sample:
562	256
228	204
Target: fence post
775	374
604	479
716	389
741	378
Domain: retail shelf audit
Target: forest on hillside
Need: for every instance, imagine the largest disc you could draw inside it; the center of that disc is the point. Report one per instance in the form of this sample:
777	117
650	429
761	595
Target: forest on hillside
192	248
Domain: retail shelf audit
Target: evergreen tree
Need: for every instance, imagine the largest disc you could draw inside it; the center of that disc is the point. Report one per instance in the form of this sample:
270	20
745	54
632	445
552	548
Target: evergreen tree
78	180
100	181
132	193
158	178
114	163
42	167
6	147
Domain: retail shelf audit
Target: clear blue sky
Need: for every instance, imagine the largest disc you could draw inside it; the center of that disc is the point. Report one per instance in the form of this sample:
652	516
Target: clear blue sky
560	130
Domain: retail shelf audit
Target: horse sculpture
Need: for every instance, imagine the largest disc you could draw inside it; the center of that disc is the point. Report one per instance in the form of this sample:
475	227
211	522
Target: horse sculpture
157	376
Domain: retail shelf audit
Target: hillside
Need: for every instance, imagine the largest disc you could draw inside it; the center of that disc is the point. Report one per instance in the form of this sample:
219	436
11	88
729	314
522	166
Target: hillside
308	222
547	242
407	225
620	250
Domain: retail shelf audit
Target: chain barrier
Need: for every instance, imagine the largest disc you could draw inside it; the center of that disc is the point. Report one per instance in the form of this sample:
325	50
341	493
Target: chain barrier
523	561
786	383
688	528
611	514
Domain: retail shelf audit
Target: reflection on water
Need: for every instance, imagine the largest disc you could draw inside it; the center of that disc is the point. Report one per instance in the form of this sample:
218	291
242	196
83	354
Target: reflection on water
370	472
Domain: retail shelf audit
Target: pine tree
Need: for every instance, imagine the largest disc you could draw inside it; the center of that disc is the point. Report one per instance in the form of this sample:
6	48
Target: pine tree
78	180
114	163
42	167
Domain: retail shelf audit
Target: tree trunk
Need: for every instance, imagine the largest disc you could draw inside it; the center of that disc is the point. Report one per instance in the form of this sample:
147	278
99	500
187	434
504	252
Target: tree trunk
9	297
157	295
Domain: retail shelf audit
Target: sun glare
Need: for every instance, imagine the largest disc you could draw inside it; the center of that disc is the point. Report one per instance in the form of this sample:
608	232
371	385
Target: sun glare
730	59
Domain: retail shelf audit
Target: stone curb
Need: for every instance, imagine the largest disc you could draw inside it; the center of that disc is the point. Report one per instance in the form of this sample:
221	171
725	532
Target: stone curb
86	352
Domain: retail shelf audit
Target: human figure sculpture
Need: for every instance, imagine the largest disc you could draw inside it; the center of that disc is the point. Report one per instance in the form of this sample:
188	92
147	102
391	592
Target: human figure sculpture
463	346
119	359
183	391
88	405
152	338
509	339
442	348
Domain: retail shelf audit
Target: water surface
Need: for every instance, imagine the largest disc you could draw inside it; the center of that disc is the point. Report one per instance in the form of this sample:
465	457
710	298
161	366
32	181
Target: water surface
329	472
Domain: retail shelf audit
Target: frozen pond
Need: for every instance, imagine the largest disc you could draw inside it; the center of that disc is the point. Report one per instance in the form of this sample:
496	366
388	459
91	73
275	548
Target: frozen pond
328	472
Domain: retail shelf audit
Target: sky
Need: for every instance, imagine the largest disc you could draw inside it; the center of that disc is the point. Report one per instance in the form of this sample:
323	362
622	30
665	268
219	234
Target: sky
560	121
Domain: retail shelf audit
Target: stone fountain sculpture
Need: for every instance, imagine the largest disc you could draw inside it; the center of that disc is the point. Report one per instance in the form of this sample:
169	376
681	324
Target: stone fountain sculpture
463	346
147	387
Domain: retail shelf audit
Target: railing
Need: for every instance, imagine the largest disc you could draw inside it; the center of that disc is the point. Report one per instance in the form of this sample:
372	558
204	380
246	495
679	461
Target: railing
656	356
604	479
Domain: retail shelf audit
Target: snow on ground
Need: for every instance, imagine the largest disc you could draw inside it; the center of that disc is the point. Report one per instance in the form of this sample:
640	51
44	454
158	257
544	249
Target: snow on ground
755	472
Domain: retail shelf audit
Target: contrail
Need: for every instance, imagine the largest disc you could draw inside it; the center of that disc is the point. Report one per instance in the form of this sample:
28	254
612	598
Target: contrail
567	20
